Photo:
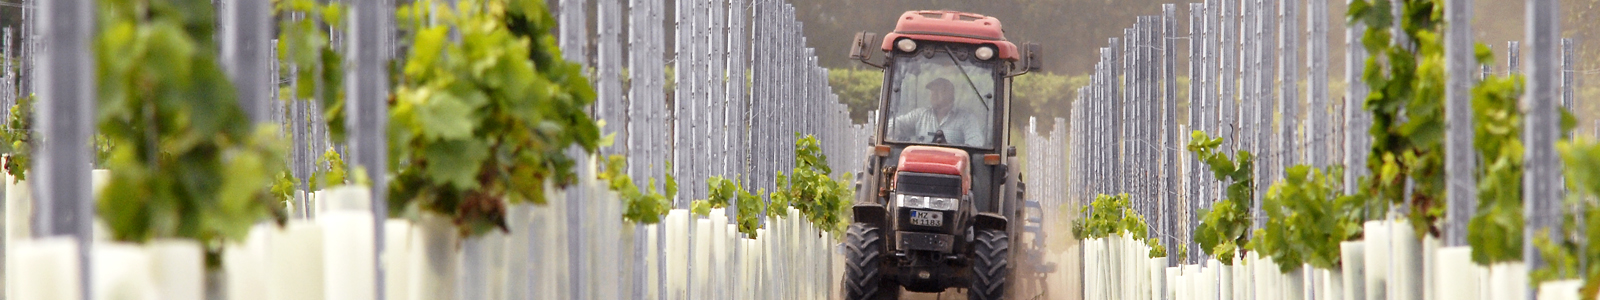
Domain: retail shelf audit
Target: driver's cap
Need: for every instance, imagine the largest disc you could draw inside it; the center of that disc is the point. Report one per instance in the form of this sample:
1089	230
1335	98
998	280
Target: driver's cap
939	82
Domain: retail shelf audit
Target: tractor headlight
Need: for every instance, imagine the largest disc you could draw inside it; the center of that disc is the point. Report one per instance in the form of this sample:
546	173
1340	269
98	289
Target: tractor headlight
906	45
941	203
983	53
912	201
926	202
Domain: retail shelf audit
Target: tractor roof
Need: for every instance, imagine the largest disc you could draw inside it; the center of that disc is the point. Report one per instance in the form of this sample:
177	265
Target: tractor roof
951	26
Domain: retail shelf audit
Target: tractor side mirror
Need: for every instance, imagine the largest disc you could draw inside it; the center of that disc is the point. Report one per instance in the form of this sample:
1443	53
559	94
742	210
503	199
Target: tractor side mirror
1030	59
1034	62
861	48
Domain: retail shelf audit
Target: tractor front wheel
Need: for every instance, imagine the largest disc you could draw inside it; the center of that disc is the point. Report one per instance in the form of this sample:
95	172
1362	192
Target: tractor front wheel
864	273
991	266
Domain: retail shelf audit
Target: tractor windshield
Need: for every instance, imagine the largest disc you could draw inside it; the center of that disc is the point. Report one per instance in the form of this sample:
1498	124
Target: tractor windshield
942	95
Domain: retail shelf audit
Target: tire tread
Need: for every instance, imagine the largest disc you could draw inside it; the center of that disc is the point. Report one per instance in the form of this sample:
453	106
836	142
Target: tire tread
991	267
863	276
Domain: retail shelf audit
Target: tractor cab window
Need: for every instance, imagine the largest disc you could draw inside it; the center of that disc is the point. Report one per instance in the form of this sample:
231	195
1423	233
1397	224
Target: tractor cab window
942	95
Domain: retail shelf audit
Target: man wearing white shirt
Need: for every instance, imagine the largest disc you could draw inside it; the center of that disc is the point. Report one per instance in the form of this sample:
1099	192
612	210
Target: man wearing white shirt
940	123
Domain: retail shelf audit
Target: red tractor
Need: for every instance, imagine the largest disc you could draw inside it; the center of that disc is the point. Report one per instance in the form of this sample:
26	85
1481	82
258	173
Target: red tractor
936	207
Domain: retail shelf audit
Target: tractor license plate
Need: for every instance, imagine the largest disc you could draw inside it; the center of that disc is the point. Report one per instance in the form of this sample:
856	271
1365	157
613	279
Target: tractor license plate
926	218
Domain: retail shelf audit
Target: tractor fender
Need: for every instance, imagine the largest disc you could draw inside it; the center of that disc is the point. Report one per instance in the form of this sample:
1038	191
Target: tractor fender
989	221
871	213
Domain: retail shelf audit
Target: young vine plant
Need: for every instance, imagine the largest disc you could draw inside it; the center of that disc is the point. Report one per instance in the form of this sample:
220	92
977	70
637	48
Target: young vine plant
644	207
1308	215
484	111
1224	228
1495	230
1575	255
811	189
18	136
19	141
330	171
1407	79
1111	215
166	107
722	192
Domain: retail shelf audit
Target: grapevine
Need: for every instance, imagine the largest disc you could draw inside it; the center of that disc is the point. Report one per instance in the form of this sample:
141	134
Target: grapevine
18	136
330	171
1111	215
721	191
1307	217
810	189
283	189
168	108
1576	255
1223	228
1407	80
1495	230
303	44
644	207
486	118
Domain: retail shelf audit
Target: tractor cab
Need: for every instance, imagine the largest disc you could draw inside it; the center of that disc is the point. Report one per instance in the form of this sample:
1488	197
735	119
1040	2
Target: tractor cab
940	174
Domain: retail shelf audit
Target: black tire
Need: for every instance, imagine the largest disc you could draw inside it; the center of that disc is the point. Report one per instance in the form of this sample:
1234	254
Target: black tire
864	271
991	251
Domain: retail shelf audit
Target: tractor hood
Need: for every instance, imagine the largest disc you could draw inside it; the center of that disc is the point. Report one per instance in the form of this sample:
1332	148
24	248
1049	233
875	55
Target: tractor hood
936	160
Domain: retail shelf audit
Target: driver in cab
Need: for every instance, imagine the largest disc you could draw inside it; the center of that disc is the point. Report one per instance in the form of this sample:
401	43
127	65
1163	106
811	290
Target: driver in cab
940	123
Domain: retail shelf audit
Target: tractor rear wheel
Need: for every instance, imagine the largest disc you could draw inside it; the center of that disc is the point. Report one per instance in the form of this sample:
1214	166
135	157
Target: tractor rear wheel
991	266
864	273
